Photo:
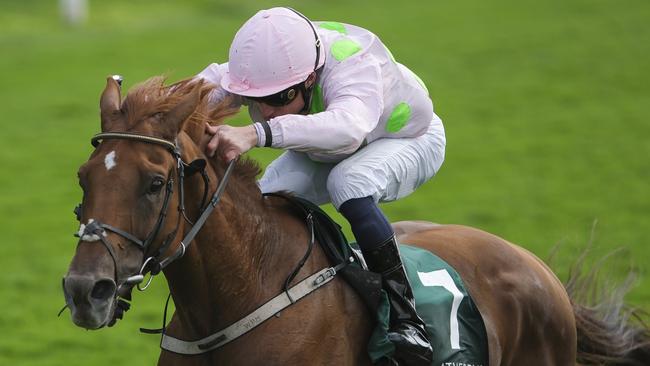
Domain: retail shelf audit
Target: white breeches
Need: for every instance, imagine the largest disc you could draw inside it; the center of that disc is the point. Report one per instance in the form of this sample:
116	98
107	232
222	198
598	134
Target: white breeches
386	169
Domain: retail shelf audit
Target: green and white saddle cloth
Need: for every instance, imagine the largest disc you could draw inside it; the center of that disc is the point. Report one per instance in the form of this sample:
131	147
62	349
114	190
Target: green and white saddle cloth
453	322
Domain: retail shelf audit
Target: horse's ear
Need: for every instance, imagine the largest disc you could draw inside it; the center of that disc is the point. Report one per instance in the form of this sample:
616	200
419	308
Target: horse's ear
175	118
109	104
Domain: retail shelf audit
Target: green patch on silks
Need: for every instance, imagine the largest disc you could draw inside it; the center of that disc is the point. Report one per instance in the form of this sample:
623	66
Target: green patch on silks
453	322
344	48
335	26
398	118
317	102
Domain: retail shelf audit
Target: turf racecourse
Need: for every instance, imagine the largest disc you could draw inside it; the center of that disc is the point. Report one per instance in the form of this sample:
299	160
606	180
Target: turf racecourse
544	105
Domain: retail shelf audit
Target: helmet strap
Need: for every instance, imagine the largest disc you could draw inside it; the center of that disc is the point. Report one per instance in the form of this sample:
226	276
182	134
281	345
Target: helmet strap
306	97
308	93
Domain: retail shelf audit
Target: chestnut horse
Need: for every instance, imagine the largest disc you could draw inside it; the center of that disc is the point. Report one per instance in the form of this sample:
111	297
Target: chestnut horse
138	206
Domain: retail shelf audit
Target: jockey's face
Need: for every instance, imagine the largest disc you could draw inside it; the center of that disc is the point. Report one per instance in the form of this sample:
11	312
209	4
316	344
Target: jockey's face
294	107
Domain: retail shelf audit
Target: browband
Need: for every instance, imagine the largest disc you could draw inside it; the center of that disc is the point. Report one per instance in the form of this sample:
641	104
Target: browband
95	140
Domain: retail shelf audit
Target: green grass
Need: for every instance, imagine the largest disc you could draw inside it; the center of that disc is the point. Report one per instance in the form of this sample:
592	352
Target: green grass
544	104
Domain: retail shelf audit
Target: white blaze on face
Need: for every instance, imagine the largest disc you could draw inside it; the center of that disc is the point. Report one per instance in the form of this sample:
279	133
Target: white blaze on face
109	160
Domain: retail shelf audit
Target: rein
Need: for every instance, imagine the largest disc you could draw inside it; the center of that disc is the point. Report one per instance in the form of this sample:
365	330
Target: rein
153	265
273	307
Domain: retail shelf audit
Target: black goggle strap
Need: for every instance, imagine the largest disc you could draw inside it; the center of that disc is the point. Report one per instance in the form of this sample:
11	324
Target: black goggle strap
279	99
288	95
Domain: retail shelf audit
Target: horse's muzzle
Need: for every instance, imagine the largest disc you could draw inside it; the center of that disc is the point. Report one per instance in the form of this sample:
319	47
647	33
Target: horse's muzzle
90	299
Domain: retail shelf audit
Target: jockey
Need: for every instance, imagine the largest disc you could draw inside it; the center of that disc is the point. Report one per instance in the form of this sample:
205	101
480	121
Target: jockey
357	126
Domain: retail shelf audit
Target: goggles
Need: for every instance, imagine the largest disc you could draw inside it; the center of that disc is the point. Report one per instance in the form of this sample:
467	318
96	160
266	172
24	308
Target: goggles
281	98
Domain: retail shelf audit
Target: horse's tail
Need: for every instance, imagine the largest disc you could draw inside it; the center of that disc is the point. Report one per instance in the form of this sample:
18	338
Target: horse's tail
609	332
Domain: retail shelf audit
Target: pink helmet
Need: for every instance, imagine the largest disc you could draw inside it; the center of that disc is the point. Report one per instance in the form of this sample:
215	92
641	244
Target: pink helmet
273	50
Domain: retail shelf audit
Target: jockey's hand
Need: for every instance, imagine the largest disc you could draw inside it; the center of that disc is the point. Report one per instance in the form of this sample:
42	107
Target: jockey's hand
229	142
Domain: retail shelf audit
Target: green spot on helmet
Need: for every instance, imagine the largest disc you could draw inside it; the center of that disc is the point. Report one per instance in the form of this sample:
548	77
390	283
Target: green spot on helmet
398	118
335	26
344	48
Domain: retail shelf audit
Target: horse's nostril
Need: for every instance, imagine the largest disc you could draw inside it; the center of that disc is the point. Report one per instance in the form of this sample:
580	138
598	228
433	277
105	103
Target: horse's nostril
103	290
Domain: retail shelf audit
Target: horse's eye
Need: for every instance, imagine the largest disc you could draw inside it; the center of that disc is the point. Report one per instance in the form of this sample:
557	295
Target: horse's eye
156	185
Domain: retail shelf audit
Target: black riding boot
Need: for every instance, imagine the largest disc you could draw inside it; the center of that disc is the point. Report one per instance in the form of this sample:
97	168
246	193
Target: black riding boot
406	329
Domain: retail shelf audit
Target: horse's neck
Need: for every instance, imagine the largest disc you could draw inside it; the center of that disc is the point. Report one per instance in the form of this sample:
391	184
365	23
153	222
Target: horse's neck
238	261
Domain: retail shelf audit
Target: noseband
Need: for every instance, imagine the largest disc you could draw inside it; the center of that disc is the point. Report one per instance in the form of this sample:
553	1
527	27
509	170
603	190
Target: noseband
96	230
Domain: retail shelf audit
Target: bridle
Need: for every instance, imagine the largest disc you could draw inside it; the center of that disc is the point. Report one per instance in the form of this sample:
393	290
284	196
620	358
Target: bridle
153	264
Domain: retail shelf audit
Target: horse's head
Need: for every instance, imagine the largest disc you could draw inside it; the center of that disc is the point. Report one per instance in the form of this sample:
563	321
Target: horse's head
130	195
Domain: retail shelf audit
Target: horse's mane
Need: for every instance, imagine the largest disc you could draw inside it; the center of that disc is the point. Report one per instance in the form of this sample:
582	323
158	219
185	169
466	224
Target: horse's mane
152	97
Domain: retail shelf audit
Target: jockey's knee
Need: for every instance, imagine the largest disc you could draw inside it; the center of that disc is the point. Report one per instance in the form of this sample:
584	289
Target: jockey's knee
344	183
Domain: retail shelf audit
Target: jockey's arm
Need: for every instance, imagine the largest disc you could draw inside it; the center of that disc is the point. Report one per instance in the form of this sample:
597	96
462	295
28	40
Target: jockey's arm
353	95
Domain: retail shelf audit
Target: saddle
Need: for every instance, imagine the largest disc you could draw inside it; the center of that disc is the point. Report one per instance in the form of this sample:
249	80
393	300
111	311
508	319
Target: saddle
453	322
339	251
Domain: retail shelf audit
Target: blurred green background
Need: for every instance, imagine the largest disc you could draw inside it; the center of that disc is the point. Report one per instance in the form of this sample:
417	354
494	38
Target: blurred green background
544	104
